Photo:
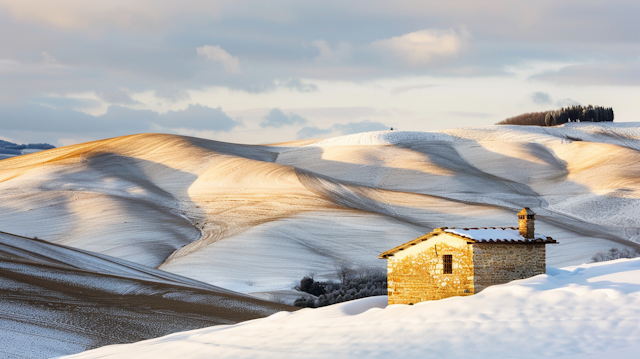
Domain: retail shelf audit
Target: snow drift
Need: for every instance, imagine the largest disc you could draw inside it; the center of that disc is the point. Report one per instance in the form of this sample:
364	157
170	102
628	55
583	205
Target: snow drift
587	311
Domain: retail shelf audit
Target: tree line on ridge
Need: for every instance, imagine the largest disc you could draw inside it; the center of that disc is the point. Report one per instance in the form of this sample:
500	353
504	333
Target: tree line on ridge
558	117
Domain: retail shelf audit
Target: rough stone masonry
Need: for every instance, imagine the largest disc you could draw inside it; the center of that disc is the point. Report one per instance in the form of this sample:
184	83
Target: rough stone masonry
456	262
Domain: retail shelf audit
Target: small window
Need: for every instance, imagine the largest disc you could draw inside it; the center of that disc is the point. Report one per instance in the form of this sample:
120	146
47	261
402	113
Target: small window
447	260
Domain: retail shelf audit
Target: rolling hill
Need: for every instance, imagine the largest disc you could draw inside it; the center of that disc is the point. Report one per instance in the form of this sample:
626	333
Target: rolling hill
57	300
256	218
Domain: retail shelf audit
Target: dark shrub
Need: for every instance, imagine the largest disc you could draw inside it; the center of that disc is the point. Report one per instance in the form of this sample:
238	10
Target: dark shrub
303	302
354	284
308	285
616	253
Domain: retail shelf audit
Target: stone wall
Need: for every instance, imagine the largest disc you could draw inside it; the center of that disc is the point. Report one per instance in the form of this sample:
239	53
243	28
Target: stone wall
416	274
502	263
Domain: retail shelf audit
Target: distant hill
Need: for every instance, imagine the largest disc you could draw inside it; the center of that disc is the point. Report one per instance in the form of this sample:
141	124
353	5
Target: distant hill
10	149
256	219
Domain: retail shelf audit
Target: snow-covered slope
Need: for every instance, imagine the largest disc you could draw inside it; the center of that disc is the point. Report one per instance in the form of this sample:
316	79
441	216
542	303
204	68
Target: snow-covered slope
56	300
588	311
258	218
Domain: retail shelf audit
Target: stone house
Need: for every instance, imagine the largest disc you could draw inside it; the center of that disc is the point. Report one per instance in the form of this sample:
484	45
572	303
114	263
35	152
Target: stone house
463	261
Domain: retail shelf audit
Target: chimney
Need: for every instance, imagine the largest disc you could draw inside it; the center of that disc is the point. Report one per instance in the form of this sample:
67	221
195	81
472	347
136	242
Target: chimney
525	222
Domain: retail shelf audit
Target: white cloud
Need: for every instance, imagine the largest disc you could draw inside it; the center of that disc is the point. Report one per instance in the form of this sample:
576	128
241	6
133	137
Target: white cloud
401	89
276	118
342	52
424	47
48	59
543	98
354	70
344	129
540	98
566	102
295	84
216	53
75	14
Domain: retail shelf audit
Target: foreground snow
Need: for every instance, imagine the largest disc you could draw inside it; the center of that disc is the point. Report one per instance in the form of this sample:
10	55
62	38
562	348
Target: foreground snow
587	311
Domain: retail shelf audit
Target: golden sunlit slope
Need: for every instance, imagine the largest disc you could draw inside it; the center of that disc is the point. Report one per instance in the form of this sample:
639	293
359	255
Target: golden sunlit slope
143	197
257	218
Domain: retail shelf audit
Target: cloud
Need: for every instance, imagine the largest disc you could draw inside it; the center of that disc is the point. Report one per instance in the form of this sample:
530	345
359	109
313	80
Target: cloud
469	114
341	113
48	59
172	94
541	98
198	117
230	63
625	73
117	97
424	47
298	85
343	129
505	19
146	47
116	121
74	103
70	14
357	127
312	131
277	118
566	102
402	89
38	118
341	53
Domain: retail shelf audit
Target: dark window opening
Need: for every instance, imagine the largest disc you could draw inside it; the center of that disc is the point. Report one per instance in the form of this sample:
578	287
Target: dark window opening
447	259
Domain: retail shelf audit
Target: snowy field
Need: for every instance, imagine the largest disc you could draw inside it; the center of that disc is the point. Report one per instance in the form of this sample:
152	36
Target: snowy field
587	311
255	219
56	300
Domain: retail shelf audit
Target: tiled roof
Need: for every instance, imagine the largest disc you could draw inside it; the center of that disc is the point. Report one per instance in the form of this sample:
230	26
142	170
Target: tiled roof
476	235
485	234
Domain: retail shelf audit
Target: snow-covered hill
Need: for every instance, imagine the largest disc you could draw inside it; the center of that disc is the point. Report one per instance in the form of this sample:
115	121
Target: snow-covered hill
587	311
56	300
258	218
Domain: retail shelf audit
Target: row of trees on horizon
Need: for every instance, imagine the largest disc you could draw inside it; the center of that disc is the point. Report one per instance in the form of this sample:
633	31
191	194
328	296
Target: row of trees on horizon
558	117
10	148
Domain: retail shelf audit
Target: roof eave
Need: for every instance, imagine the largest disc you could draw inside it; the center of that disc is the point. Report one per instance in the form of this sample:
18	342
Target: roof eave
409	244
438	231
435	232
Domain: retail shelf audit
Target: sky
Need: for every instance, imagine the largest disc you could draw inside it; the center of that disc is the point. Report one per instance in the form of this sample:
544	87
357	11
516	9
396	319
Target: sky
257	72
